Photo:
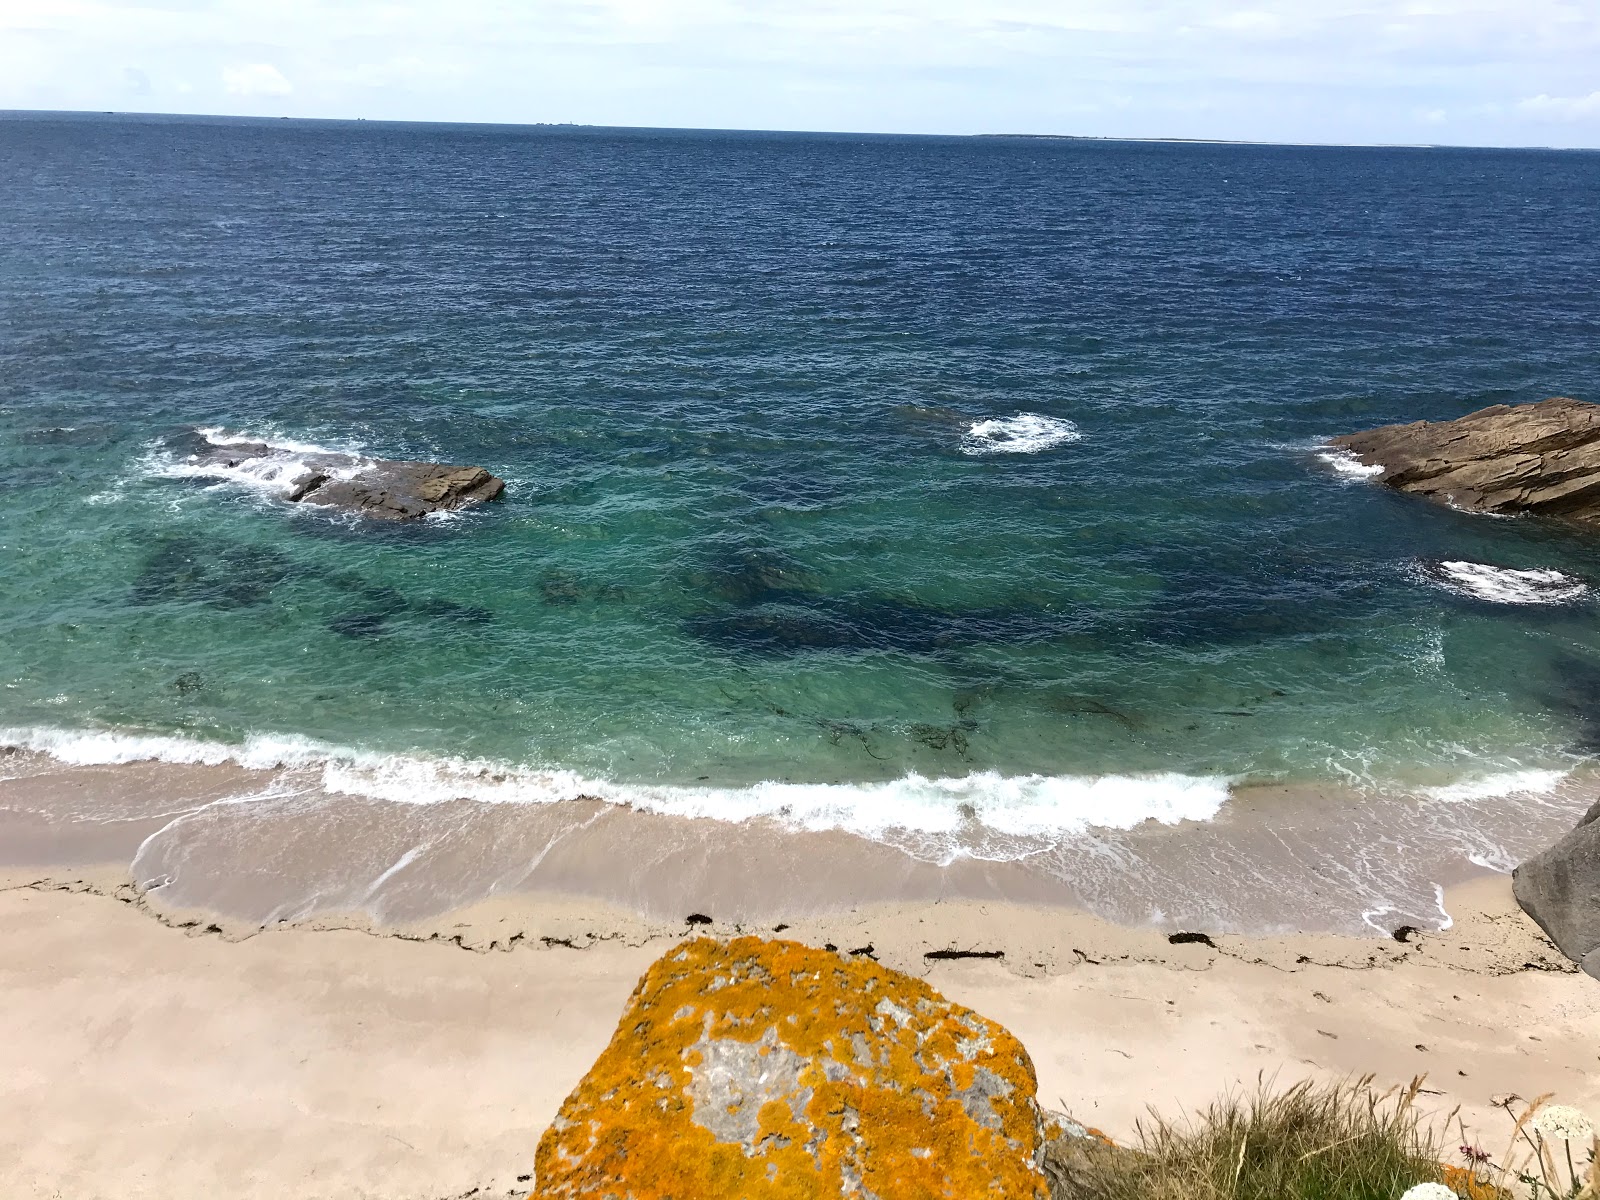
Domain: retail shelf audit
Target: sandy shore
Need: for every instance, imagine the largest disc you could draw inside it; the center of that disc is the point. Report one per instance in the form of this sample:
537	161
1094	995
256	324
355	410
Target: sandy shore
148	1059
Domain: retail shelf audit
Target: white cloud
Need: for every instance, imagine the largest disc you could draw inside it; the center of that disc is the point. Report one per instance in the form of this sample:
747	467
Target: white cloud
255	79
1328	70
1562	108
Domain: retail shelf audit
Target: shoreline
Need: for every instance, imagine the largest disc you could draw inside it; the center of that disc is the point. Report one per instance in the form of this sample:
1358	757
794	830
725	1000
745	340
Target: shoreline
316	1062
251	849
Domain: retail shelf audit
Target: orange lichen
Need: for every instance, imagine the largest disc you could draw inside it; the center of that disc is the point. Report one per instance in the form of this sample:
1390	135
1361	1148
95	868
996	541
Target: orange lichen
1464	1182
857	1079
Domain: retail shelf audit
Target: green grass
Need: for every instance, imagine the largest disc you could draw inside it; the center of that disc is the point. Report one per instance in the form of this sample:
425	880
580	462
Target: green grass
1309	1142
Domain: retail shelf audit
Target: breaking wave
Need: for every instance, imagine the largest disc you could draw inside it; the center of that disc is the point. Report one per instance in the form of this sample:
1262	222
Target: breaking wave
276	473
1504	585
1025	433
1504	783
1021	806
1347	464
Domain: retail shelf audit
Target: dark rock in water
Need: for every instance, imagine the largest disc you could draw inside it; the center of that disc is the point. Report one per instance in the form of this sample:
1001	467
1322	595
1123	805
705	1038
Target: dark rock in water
304	486
748	575
188	570
360	624
188	683
385	489
405	491
450	610
67	435
773	629
805	622
1560	889
1530	458
561	587
383	599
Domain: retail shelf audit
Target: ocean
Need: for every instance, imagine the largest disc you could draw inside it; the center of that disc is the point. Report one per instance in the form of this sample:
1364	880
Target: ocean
965	495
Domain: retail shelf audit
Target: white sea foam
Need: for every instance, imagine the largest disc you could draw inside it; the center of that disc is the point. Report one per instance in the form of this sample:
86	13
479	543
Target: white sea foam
1348	465
218	436
1024	807
1025	433
1503	585
1504	783
274	474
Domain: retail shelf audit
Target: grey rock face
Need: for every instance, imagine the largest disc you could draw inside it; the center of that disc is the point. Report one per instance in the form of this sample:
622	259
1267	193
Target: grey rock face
1560	889
1542	458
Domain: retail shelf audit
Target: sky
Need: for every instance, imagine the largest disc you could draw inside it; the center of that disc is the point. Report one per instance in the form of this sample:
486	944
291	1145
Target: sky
1464	72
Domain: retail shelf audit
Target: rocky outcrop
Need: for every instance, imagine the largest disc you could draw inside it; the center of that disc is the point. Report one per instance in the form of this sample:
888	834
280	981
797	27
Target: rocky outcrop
404	491
767	1069
386	489
1560	889
1540	458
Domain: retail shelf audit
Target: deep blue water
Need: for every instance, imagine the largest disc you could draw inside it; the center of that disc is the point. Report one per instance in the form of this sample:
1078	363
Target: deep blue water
732	380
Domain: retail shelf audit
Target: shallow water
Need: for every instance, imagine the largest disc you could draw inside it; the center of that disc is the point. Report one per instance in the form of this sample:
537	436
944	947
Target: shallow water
916	481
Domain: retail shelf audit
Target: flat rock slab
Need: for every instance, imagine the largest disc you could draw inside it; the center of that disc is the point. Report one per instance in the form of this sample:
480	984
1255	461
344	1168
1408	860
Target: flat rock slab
384	489
762	1070
1529	458
404	491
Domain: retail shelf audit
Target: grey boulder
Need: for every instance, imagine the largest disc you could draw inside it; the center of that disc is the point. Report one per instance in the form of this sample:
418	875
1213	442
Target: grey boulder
1560	889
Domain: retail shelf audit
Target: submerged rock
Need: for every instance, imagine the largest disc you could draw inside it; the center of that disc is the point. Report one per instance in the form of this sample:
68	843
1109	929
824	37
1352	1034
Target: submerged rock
189	570
766	1069
1560	889
1542	458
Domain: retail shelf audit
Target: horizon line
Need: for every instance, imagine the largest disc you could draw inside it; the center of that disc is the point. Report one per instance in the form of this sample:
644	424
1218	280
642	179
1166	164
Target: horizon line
1066	137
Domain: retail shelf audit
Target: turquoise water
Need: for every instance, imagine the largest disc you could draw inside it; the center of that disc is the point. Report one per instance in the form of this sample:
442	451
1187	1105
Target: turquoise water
756	528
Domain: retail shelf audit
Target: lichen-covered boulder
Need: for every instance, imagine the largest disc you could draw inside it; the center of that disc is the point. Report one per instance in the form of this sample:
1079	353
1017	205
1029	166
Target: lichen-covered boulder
768	1070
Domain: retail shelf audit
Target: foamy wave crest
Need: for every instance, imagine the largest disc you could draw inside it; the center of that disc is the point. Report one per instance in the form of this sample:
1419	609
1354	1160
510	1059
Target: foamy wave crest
1025	433
1504	783
219	436
276	473
1027	806
1503	585
93	748
1347	464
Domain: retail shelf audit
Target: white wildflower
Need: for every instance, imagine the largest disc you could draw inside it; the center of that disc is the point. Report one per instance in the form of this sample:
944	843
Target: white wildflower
1564	1123
1429	1191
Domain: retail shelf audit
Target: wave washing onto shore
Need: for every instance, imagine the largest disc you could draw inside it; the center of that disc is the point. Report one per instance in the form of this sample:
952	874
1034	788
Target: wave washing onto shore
1024	806
1505	783
1025	433
1503	585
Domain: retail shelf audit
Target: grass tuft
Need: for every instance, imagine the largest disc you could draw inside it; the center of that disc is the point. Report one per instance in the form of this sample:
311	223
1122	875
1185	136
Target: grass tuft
1310	1142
